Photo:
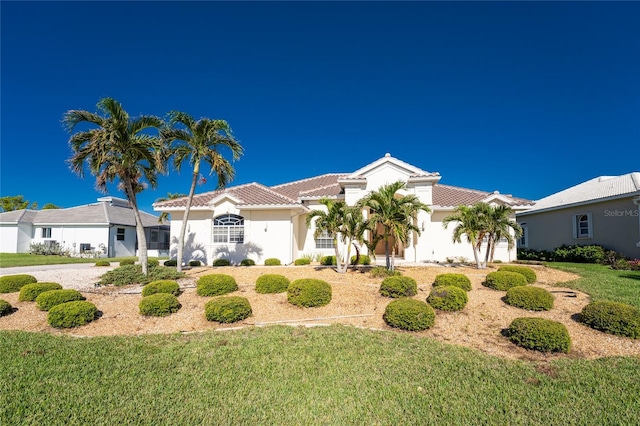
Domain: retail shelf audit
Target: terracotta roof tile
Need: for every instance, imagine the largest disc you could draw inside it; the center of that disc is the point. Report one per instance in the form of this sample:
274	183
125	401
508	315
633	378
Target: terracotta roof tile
311	186
248	194
448	196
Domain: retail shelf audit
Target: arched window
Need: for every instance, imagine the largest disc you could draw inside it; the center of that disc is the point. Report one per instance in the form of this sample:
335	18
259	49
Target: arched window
228	228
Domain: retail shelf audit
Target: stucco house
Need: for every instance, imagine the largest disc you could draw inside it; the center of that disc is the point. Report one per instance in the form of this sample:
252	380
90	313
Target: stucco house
107	226
603	211
258	222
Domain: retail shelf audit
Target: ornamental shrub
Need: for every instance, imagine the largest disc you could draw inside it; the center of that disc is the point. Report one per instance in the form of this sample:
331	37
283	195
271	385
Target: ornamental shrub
309	292
51	298
409	314
398	287
528	273
448	298
458	280
103	263
539	334
222	262
29	292
171	262
72	314
328	260
381	272
151	263
504	280
132	274
364	260
216	285
126	262
161	286
272	283
613	318
530	298
159	305
195	263
5	308
272	261
248	262
302	261
227	309
13	283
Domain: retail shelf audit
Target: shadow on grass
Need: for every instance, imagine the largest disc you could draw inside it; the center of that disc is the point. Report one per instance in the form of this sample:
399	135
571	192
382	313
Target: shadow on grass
631	276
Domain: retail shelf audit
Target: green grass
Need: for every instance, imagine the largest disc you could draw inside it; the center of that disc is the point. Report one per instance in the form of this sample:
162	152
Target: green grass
289	376
8	260
603	283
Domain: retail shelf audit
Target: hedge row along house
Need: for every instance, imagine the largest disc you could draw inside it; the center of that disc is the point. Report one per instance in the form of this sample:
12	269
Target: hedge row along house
257	222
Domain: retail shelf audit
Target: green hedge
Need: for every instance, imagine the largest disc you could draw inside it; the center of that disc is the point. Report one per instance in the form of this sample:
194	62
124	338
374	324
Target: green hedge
398	286
125	262
448	298
528	273
458	280
539	334
272	283
5	308
302	261
504	280
152	263
328	260
248	262
51	298
216	285
227	309
409	314
530	298
102	263
613	318
364	260
171	262
161	286
29	292
222	262
13	283
272	261
195	263
309	292
159	305
72	314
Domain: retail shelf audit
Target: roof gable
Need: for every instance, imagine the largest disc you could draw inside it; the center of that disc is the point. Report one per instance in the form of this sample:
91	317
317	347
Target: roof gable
390	164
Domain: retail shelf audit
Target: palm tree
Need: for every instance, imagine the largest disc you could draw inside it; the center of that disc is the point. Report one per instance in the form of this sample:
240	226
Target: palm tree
331	222
500	225
396	214
352	232
170	196
471	222
118	149
201	142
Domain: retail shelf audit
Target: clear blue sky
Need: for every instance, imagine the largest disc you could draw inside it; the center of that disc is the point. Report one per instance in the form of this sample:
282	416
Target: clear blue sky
526	98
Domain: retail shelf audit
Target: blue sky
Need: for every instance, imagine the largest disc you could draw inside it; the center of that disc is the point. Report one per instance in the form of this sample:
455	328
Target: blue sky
526	98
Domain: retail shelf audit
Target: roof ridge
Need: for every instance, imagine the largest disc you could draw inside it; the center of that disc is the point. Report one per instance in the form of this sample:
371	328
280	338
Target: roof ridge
309	178
275	192
467	189
318	188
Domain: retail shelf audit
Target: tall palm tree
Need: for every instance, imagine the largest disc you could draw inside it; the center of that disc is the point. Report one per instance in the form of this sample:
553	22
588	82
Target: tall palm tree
471	222
118	149
170	196
396	214
201	141
330	221
500	225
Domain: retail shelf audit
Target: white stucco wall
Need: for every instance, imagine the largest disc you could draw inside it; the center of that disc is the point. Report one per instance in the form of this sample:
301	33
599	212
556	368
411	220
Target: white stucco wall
8	238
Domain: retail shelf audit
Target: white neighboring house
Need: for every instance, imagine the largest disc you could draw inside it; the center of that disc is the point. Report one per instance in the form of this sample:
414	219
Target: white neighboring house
259	222
107	226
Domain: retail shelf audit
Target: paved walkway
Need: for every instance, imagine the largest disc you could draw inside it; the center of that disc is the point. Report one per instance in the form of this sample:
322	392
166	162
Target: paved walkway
30	269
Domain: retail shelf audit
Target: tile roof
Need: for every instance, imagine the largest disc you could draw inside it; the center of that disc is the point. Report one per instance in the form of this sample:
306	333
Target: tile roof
453	196
247	194
313	186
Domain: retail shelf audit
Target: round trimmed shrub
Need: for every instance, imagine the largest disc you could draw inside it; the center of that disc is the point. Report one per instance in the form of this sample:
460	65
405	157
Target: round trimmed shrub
458	280
171	262
328	260
29	292
103	263
161	286
448	298
13	283
195	263
364	260
530	298
302	261
272	261
159	305
309	292
222	262
125	262
151	263
51	298
227	309
72	314
5	308
272	283
216	285
248	262
528	273
504	280
409	314
539	334
398	286
613	318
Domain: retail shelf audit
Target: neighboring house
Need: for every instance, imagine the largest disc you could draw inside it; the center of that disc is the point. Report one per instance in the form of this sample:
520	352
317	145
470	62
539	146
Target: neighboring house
107	227
604	211
258	222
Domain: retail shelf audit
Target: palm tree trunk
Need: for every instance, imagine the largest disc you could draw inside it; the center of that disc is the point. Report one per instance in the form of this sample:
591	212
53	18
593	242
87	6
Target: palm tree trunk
489	245
386	251
336	249
142	239
475	255
185	217
493	249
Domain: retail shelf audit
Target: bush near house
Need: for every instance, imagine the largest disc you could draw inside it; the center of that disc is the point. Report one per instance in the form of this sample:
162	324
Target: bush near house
272	283
613	318
216	285
159	305
171	262
227	309
309	292
381	272
102	263
195	263
161	286
72	314
458	280
529	298
564	253
328	260
222	262
528	273
504	280
448	298
132	274
13	283
272	261
126	262
302	261
51	298
364	260
151	263
248	262
409	314
29	292
5	308
398	287
539	334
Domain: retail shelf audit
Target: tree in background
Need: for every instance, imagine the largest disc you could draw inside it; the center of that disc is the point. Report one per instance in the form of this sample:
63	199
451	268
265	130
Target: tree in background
118	149
50	206
200	141
10	203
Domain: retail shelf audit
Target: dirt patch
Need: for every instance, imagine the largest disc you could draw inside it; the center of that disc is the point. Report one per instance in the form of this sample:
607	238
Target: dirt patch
355	301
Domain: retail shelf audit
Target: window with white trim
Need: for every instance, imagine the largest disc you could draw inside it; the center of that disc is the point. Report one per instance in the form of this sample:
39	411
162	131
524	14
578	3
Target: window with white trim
228	228
582	226
46	232
324	241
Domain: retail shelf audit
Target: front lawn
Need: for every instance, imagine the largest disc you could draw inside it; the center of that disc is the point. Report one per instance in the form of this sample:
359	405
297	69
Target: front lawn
8	260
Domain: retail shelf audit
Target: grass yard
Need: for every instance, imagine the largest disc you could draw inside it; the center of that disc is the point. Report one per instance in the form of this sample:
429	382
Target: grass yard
602	282
282	375
8	260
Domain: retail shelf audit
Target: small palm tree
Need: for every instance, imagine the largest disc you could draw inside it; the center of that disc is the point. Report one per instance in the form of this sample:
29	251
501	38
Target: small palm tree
352	232
201	141
500	225
330	221
118	149
471	222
